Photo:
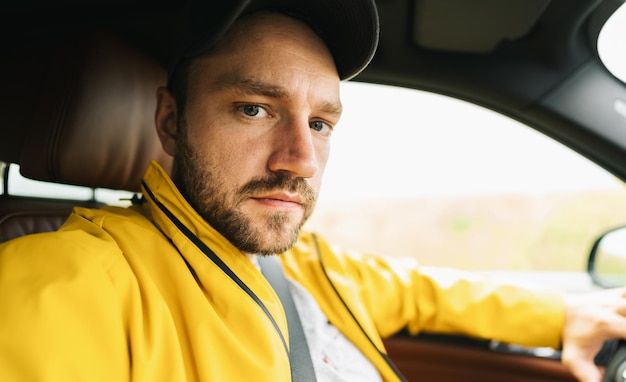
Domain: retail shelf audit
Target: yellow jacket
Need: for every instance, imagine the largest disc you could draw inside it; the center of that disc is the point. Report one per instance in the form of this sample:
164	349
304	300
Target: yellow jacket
123	294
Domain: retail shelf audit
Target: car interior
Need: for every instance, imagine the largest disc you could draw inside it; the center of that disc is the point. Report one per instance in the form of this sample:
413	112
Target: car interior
78	99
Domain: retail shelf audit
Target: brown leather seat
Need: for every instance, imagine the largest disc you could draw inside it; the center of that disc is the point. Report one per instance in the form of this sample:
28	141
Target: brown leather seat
76	109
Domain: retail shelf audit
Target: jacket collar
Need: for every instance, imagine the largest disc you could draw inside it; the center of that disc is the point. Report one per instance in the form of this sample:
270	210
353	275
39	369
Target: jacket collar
167	205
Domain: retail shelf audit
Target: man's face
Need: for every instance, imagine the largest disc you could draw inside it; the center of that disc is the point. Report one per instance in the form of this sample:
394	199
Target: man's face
254	140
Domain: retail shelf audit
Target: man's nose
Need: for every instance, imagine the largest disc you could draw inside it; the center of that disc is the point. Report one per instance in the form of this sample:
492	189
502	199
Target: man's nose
294	150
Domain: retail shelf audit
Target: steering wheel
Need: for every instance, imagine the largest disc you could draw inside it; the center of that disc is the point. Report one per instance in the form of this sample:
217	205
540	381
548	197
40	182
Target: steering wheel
615	353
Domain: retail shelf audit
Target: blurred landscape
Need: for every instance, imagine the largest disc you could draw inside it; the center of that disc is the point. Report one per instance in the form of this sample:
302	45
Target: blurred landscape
505	232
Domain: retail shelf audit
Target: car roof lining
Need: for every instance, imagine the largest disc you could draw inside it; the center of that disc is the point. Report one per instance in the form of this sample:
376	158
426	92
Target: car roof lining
475	26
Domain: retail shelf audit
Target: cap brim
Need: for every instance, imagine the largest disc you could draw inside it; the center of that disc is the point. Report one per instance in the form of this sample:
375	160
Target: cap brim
349	28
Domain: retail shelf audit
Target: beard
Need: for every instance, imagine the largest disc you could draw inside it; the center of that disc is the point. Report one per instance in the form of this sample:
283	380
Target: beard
200	184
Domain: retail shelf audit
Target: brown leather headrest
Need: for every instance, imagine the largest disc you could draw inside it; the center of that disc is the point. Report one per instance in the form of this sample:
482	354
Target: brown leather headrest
81	112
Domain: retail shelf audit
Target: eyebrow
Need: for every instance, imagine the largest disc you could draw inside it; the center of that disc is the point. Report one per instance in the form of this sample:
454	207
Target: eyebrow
255	87
250	86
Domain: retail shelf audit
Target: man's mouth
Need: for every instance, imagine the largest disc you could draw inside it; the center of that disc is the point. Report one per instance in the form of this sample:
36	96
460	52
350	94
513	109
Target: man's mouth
280	200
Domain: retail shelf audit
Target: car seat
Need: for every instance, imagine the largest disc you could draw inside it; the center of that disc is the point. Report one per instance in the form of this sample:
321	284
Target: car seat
77	108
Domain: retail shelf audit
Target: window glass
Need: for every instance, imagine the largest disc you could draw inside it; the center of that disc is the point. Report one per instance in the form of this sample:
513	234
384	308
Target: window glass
113	197
452	184
612	43
21	186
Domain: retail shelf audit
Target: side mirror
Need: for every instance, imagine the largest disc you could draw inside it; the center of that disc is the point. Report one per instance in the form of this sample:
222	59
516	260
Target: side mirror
607	260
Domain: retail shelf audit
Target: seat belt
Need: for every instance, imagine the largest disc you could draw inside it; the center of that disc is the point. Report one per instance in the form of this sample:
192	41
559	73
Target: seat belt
299	356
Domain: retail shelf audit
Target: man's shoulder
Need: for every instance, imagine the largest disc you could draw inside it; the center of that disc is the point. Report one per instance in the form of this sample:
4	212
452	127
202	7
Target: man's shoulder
82	240
112	216
63	249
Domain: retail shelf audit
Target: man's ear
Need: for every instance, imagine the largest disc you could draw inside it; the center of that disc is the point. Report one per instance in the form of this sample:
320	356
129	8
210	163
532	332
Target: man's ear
166	120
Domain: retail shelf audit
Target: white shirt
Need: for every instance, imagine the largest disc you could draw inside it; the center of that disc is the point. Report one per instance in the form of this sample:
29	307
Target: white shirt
335	358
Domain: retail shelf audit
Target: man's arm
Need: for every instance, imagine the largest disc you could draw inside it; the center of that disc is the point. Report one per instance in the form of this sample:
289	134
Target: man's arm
591	319
61	316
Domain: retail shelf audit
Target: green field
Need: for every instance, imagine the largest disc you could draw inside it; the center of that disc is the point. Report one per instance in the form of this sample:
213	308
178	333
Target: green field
512	232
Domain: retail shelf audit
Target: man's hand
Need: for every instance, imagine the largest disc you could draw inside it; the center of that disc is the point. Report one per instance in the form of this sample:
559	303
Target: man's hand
591	319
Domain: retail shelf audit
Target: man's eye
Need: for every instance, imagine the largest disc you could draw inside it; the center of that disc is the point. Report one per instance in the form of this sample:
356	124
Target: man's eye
321	127
253	110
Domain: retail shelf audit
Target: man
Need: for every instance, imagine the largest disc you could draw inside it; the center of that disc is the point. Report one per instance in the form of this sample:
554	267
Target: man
171	289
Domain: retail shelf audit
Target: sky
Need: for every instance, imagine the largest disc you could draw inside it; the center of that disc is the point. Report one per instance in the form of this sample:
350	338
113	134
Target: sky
404	143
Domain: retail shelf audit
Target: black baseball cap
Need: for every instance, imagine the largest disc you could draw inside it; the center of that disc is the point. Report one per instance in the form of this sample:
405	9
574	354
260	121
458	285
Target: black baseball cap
349	28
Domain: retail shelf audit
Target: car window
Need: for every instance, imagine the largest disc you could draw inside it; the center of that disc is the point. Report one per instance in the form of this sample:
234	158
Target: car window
18	185
417	174
611	47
